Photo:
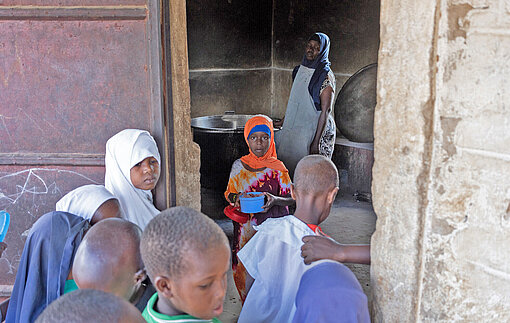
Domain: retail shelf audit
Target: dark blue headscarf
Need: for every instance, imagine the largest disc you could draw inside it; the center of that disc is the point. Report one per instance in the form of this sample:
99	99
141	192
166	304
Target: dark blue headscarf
321	64
45	264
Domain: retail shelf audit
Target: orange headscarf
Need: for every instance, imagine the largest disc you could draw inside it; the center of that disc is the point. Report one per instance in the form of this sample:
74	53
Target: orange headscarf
269	159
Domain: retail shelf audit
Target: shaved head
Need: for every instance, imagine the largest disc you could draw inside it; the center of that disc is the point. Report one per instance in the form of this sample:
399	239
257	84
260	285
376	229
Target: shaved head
315	174
87	305
174	232
109	259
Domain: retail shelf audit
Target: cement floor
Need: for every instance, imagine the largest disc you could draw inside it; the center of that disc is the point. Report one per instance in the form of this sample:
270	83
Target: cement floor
350	222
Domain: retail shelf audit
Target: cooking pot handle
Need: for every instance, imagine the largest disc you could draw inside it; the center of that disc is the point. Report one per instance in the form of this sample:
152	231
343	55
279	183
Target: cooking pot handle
229	112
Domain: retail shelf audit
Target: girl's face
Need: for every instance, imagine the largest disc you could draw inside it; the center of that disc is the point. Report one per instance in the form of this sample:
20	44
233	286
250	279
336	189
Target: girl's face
312	50
145	174
259	143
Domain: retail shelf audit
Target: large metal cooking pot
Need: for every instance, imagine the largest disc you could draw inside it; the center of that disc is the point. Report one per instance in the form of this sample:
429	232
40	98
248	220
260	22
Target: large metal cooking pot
221	142
355	105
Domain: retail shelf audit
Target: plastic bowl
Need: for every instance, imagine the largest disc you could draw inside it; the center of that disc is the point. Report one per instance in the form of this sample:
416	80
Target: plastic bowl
252	204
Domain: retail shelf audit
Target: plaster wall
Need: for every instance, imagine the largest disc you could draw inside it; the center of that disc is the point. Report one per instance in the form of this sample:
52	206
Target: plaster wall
241	53
442	158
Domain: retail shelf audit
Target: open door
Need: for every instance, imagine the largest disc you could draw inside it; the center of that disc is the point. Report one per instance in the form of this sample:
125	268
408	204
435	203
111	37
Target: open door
72	74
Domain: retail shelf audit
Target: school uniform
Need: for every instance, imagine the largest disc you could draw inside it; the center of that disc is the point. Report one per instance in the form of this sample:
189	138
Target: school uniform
273	258
152	316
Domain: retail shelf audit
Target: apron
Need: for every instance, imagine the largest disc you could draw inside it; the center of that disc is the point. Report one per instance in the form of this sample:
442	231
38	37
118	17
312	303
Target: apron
300	123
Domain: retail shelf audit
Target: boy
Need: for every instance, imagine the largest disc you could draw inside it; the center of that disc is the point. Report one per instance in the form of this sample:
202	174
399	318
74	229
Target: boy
272	257
88	305
187	257
109	259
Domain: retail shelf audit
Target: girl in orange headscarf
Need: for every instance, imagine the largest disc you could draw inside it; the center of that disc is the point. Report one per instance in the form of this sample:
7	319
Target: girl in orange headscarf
259	171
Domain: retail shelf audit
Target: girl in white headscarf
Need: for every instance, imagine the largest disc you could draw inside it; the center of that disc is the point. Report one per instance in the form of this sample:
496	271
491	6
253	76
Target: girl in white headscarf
91	202
132	170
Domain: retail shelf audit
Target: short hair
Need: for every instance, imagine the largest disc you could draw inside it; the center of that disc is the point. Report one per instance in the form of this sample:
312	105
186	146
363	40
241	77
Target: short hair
106	248
174	232
85	305
315	174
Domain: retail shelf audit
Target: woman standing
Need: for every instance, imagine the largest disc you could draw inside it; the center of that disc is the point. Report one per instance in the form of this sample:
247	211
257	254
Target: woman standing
308	125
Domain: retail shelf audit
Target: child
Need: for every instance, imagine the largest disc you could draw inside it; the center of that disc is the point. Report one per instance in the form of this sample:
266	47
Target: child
329	292
132	170
88	305
259	171
91	202
109	259
187	258
272	257
45	264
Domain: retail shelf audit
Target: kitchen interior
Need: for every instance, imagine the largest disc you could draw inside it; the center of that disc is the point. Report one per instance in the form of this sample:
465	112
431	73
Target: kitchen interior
241	57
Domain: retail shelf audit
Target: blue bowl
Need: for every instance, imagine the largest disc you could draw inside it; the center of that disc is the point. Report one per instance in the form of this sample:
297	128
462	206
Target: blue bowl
252	204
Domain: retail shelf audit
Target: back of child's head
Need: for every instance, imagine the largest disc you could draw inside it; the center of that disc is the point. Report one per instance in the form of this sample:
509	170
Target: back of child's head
109	258
172	234
314	175
88	305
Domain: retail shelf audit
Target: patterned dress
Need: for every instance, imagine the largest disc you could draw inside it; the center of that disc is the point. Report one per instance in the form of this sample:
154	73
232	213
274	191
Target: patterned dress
243	180
328	137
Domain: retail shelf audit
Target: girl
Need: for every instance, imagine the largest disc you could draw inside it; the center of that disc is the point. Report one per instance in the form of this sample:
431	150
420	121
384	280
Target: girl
259	171
91	202
132	170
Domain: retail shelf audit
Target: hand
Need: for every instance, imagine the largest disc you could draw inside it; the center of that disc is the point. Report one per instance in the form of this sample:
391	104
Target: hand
3	246
237	203
270	202
320	247
277	123
314	148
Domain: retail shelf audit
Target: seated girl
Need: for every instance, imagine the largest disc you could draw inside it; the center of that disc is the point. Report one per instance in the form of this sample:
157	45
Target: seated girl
259	171
84	202
44	271
132	170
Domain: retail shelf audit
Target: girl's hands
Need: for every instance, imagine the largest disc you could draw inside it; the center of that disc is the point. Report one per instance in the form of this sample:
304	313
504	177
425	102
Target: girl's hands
270	201
237	203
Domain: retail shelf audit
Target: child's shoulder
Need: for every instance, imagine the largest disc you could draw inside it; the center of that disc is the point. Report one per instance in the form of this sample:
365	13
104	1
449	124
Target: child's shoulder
286	228
237	167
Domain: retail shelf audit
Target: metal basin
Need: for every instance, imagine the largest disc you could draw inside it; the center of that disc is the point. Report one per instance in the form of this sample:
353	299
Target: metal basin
221	142
227	123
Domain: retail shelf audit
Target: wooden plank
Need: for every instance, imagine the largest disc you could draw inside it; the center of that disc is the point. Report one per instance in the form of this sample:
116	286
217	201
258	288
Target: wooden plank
30	159
73	13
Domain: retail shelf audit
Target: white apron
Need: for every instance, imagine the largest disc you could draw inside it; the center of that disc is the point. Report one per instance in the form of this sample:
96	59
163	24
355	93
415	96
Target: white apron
300	123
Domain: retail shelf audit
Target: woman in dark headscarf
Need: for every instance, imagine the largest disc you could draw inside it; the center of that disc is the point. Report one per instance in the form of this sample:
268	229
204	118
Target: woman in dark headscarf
308	125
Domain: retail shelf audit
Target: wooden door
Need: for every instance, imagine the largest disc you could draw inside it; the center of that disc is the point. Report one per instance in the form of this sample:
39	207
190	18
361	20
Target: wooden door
72	74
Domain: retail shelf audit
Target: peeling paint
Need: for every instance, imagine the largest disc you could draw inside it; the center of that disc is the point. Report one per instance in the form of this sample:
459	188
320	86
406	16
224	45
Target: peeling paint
448	126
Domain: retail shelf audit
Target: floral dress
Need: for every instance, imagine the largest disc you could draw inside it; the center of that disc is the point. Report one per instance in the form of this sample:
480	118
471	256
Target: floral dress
243	180
328	137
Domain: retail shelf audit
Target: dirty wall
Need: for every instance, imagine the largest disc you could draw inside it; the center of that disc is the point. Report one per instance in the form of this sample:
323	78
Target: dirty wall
442	163
241	53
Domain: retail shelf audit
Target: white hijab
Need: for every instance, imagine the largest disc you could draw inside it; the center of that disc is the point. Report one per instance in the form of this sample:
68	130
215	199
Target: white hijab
123	151
84	201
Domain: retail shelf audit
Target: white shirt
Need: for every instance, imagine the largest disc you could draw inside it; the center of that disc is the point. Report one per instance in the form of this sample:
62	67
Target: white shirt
273	258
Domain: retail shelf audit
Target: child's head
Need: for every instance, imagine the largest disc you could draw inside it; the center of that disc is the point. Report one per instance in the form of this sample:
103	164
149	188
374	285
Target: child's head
108	259
91	202
316	179
187	257
258	133
133	154
88	305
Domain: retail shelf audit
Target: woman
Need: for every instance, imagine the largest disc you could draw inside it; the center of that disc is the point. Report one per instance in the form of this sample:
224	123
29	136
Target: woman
308	125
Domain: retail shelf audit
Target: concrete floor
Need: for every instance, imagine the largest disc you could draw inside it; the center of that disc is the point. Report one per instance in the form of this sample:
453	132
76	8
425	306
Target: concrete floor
350	222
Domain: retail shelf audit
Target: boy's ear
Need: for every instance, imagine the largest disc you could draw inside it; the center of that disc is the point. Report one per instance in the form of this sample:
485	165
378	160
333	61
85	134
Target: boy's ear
292	191
332	195
163	285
